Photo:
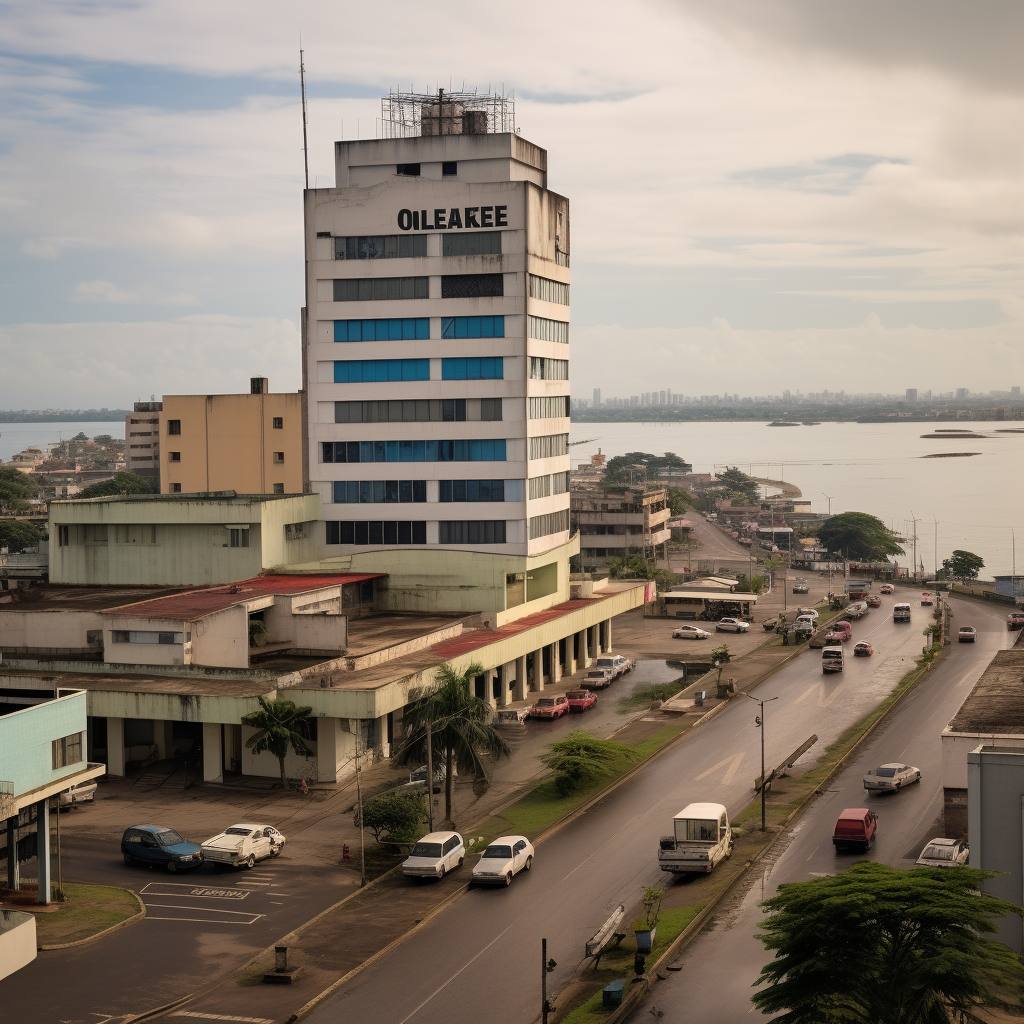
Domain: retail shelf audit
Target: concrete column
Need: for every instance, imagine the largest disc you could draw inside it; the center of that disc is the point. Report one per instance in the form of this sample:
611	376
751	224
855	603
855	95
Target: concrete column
43	850
13	868
504	676
115	746
537	676
556	665
380	734
489	676
163	738
570	654
607	634
522	685
584	635
213	753
327	739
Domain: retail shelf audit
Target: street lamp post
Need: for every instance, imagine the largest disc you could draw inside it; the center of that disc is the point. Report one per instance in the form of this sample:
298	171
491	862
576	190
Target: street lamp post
759	721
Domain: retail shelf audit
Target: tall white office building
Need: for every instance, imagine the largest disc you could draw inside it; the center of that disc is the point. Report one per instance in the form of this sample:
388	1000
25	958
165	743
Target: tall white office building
436	342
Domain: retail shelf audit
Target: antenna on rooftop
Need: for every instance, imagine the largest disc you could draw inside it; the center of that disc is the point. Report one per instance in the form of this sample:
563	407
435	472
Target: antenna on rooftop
302	83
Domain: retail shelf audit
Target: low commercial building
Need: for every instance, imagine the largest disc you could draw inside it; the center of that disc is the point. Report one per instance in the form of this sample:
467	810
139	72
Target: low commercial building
707	599
179	540
619	521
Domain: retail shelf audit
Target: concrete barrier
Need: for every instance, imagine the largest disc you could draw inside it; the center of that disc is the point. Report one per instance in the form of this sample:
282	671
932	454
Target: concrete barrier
17	941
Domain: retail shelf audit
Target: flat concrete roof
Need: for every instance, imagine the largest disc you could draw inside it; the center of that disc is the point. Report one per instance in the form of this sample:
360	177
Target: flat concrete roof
188	686
996	704
49	597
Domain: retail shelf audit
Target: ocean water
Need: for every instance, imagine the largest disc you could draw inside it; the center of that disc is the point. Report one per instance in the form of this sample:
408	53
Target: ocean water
15	437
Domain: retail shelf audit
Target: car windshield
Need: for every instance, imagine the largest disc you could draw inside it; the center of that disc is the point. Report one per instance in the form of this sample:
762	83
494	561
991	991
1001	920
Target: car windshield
577	694
938	852
168	837
546	702
426	850
236	831
885	773
498	852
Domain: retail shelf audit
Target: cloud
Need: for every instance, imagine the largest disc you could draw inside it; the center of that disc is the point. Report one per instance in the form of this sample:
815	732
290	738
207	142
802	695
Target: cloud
106	292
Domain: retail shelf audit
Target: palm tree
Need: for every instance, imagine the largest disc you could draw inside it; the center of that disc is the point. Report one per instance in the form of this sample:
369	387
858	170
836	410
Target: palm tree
460	726
278	723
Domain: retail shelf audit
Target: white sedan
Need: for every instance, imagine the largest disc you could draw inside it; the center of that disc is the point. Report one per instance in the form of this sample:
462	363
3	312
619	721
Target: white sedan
944	853
689	633
731	626
891	777
242	845
503	859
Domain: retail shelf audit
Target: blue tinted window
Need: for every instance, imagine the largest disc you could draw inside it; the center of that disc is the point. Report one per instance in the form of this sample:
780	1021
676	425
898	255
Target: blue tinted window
387	492
473	368
463	450
390	329
367	371
473	327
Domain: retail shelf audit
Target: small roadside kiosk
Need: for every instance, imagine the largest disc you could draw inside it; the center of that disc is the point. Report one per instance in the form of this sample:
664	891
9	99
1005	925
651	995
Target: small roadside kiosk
706	600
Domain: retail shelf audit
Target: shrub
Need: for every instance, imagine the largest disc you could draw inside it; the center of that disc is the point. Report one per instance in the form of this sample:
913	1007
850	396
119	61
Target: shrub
582	758
394	815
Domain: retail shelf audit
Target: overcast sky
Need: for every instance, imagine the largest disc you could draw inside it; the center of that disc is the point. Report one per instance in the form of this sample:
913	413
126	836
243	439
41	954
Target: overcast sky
766	194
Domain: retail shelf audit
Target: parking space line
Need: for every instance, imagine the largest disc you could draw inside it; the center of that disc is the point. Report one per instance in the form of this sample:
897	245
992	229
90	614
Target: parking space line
195	891
202	910
217	916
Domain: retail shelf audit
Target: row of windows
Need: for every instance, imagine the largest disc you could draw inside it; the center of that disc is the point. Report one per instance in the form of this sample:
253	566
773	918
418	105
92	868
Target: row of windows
389	329
549	407
472	327
548	369
471	531
66	751
379	247
387	532
472	286
479	243
549	446
146	636
547	290
548	484
482	450
278	457
473	368
419	410
543	329
366	371
379	289
379	491
480	490
552	522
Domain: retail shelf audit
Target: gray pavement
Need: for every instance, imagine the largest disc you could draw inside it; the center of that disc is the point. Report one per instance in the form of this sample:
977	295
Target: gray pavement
480	953
721	965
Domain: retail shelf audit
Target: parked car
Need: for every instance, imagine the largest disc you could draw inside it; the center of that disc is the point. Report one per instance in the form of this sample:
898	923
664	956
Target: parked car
1015	620
967	634
927	600
811	613
550	707
689	633
805	622
887	588
874	601
580	700
615	663
83	793
435	855
799	588
597	679
891	777
730	625
512	716
503	860
160	846
839	632
832	659
855	830
856	610
944	853
862	649
240	846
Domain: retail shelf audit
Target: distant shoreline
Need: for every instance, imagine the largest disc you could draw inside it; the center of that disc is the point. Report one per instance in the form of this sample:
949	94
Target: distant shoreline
63	416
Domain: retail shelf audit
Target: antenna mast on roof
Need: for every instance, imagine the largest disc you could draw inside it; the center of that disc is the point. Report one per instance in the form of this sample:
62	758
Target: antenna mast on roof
305	147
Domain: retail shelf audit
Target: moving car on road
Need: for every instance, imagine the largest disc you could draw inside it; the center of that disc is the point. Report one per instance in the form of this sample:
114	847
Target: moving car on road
927	600
874	601
550	707
832	659
944	853
862	649
967	634
688	632
580	700
800	587
435	855
160	846
597	679
855	830
240	846
901	612
730	625
502	860
887	588
891	777
1015	620
701	839
839	632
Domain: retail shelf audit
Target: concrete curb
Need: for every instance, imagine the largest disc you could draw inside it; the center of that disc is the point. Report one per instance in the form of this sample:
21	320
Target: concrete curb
690	932
158	1010
106	931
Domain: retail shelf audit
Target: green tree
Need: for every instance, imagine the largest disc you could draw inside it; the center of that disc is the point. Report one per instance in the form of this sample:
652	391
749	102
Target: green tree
121	483
679	500
396	815
617	471
16	535
15	490
880	945
963	565
859	536
278	724
636	567
106	440
746	486
460	724
720	657
581	759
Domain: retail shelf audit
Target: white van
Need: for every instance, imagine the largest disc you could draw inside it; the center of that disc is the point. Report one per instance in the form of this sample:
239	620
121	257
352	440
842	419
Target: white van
832	659
901	613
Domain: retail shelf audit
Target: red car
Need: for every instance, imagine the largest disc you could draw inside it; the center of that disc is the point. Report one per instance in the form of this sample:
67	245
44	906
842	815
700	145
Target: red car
839	632
580	700
550	707
874	601
855	830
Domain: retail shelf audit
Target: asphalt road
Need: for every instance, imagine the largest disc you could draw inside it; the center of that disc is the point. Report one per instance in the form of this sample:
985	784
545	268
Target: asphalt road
721	965
481	953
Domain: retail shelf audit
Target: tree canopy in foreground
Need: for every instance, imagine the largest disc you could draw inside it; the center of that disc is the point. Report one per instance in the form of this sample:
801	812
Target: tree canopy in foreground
859	536
879	945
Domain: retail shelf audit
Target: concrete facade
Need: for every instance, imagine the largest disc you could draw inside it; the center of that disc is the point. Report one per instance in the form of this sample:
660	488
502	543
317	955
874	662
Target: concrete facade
616	522
142	442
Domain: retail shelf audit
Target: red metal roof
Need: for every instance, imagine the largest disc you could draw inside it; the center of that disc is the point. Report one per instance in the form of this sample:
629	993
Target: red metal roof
196	603
478	638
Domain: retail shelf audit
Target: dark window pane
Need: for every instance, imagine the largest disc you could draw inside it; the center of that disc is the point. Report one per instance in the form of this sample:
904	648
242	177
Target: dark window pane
390	532
419	490
404	533
375	532
470	286
419	532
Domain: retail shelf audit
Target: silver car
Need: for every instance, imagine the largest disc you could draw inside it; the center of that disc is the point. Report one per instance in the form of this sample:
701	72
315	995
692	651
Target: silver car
731	626
891	778
689	633
944	853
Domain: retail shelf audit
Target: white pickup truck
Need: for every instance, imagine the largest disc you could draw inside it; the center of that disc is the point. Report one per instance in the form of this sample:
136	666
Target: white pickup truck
701	839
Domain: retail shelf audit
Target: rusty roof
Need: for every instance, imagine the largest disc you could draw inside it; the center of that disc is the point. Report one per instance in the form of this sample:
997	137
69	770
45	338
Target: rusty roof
996	704
49	597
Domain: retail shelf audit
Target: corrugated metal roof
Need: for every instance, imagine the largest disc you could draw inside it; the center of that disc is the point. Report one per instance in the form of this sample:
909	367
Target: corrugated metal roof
196	603
996	704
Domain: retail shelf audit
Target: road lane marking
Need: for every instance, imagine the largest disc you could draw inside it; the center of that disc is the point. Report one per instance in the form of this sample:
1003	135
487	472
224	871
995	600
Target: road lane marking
221	1016
819	688
734	761
199	910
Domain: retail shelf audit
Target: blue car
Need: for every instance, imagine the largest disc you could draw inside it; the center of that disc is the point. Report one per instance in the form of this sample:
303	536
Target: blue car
160	846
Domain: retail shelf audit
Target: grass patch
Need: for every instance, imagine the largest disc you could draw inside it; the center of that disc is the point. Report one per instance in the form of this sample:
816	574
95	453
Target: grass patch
90	909
644	696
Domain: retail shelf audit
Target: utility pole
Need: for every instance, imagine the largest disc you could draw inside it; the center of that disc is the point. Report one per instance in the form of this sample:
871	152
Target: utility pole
914	521
359	800
829	553
430	780
935	545
759	722
305	146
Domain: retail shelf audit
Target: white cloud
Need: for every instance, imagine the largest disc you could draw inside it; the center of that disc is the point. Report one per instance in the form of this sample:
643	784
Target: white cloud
106	292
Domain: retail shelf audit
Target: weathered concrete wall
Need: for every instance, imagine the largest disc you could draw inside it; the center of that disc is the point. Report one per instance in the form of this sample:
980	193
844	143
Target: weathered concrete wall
64	630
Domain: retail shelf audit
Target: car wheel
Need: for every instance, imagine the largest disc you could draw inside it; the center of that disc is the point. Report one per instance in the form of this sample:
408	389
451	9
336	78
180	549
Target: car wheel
440	876
529	863
129	859
508	879
276	851
461	859
172	867
899	786
250	861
